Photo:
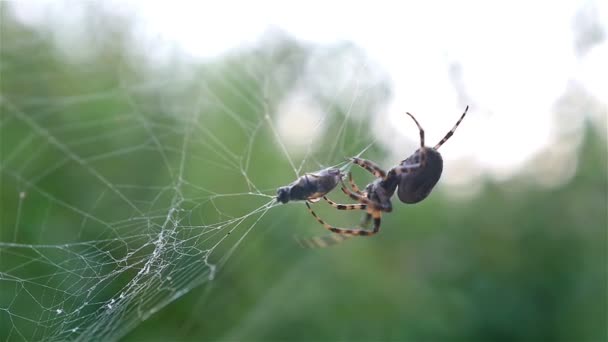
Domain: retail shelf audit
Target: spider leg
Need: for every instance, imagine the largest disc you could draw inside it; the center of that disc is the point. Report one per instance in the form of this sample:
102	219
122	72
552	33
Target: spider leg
321	241
345	206
401	169
325	241
451	132
365	200
365	220
370	166
419	129
376	214
353	185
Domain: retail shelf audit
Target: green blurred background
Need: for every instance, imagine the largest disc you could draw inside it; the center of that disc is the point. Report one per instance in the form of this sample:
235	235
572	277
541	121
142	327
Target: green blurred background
120	179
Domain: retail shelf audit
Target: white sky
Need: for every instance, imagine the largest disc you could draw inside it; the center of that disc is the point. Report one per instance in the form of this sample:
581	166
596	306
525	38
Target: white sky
516	58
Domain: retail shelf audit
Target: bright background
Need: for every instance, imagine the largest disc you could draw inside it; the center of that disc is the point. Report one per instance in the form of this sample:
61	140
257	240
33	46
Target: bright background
137	134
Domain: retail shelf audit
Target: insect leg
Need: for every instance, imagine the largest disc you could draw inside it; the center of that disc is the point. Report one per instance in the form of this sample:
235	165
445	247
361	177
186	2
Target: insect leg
451	132
369	166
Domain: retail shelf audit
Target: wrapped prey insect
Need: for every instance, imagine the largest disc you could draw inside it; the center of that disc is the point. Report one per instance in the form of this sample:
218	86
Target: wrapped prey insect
310	186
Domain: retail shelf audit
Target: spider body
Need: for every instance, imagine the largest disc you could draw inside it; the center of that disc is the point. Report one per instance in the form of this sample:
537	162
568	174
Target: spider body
417	185
380	191
413	179
310	186
414	182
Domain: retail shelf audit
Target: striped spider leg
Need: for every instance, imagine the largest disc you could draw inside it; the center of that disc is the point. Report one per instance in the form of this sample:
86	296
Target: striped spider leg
413	179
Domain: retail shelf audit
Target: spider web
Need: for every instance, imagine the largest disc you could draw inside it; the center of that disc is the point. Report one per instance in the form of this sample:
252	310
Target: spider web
131	174
124	187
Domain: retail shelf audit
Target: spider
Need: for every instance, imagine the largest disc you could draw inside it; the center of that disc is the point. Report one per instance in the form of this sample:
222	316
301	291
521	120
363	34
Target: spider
311	186
413	179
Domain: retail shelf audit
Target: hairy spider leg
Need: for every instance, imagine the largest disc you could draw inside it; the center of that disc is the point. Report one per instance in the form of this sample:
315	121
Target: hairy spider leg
353	185
422	160
376	214
345	206
365	200
369	166
451	132
332	239
400	169
367	218
321	241
419	129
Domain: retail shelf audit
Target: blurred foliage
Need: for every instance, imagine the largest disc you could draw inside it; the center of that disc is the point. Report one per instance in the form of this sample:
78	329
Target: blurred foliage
516	262
523	265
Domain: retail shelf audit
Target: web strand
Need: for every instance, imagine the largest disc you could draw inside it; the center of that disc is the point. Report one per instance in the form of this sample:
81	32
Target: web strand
124	198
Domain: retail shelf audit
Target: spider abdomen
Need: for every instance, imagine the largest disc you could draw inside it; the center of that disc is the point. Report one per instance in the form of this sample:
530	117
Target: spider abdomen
417	185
